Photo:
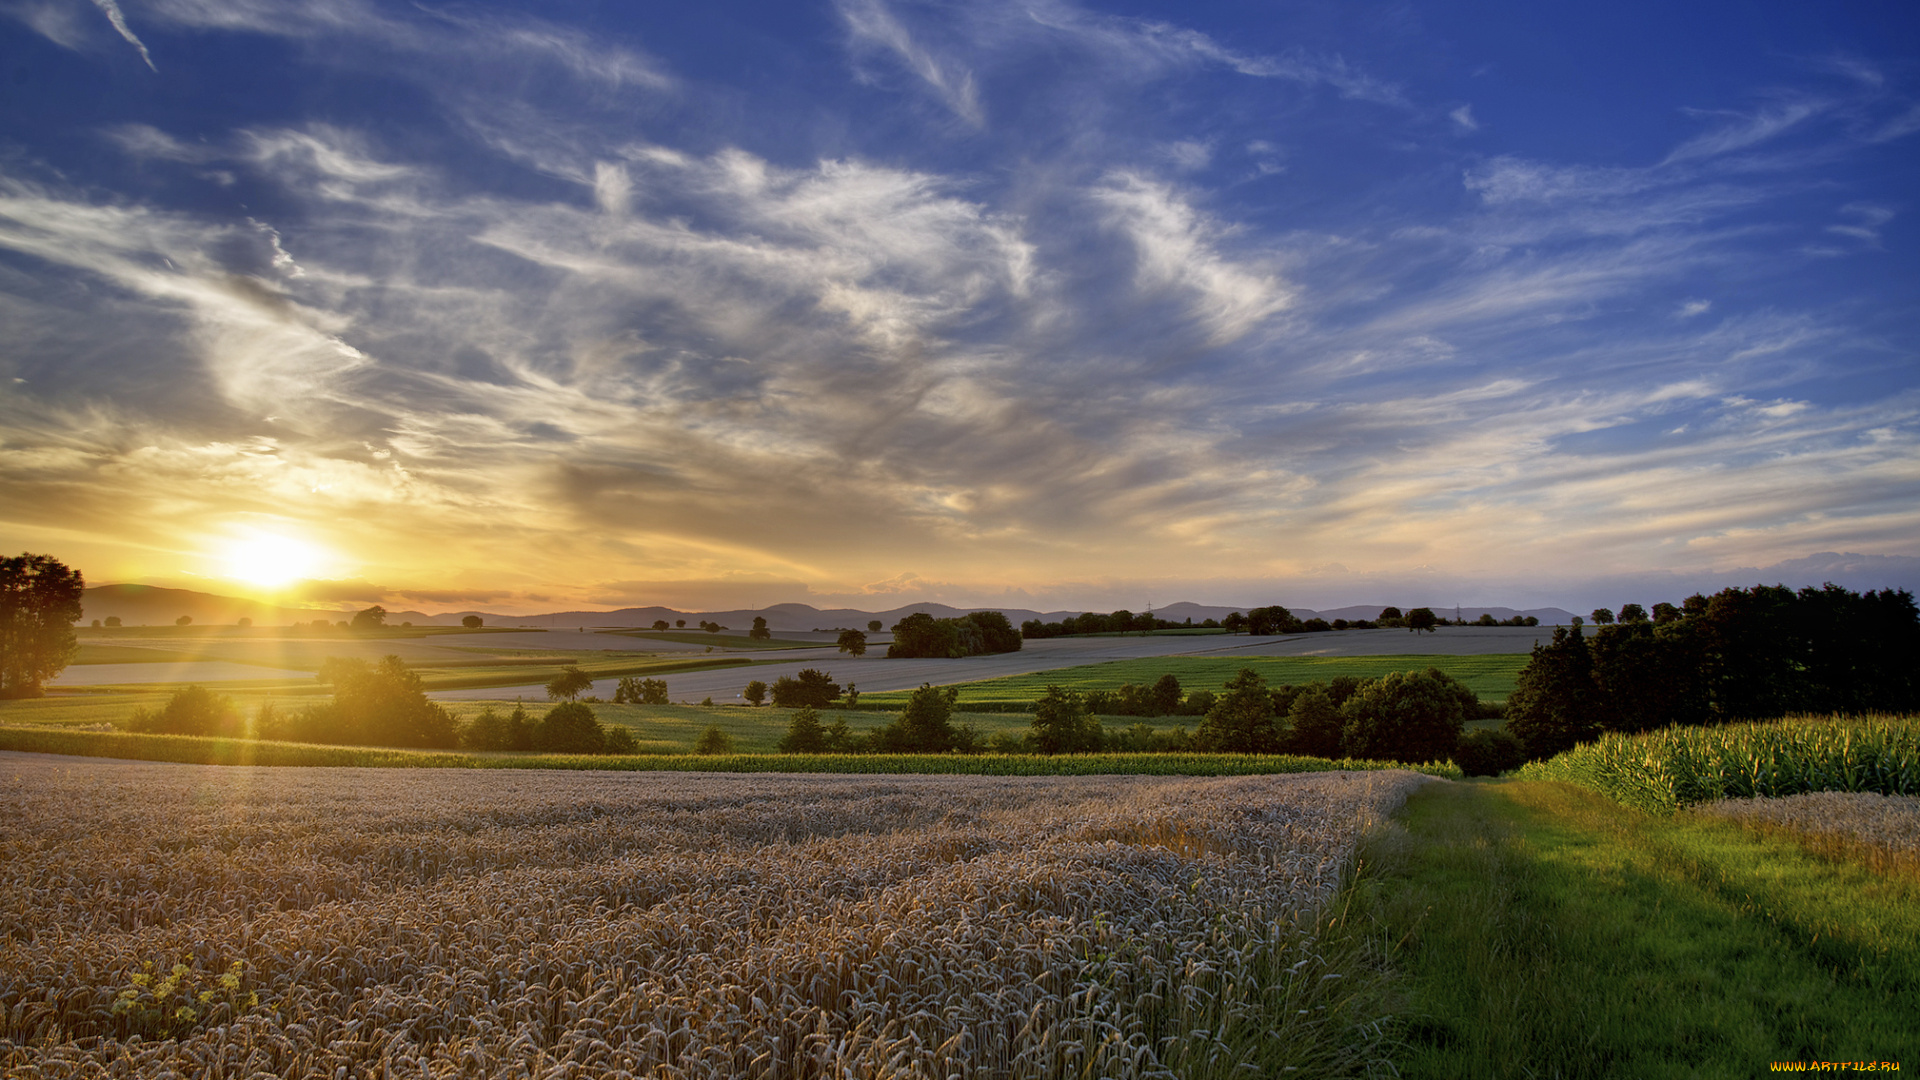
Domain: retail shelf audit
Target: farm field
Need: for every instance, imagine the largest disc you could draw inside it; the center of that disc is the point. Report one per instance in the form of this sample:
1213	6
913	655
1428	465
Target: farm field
1491	675
1541	929
520	924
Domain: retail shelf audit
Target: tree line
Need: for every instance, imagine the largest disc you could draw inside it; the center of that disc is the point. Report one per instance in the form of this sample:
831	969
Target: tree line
1741	654
1260	621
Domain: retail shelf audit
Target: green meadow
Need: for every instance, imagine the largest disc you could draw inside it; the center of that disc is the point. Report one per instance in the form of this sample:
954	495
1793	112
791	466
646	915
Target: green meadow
1490	676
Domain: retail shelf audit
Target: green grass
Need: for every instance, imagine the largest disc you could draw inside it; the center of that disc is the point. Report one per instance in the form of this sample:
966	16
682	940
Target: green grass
1490	676
1541	930
720	641
1662	770
218	751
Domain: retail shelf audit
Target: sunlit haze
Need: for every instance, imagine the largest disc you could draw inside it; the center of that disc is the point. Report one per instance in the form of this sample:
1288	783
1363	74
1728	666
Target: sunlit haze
1033	303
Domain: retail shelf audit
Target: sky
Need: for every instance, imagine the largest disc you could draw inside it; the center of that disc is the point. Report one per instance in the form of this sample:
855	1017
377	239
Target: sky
1036	303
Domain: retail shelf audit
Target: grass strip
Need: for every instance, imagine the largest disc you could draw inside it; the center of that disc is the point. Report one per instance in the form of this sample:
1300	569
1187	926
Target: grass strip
1491	676
1543	930
198	750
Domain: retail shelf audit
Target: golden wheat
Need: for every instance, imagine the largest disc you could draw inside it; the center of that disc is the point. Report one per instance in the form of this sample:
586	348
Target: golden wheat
1881	830
398	923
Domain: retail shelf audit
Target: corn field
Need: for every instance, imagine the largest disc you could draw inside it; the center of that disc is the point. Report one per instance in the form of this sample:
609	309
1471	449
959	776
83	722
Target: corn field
164	919
1662	770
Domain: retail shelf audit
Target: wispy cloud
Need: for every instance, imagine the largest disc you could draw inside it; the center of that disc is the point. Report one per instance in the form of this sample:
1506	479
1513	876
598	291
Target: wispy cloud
119	21
873	24
1741	131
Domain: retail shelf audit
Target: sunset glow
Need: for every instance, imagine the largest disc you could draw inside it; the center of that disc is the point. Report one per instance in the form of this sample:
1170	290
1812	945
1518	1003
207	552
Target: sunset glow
1040	303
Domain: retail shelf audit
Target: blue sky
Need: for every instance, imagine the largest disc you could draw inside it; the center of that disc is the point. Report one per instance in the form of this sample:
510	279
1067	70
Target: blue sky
1035	303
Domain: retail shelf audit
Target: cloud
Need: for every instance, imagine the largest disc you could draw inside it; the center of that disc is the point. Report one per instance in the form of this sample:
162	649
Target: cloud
1150	44
119	20
873	24
1689	308
1463	116
1746	130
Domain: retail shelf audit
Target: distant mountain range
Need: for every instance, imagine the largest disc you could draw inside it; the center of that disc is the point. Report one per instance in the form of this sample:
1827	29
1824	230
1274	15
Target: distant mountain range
151	605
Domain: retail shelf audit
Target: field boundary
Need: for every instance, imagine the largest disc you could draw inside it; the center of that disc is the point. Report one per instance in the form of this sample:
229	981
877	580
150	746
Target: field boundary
203	750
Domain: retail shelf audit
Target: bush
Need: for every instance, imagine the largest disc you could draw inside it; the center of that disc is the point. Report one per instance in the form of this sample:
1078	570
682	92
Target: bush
633	690
713	741
192	711
1408	716
1488	753
569	728
1241	720
620	740
472	622
925	726
380	704
756	692
491	731
805	733
811	688
1062	724
1314	724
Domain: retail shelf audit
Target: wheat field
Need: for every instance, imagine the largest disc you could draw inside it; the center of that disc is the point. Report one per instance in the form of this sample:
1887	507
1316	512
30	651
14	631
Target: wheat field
164	919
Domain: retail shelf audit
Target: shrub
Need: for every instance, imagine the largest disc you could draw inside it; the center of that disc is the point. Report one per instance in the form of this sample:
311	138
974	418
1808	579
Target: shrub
192	711
1409	716
925	726
491	731
633	690
713	741
569	728
473	622
1314	724
810	687
620	740
1241	720
756	692
1488	753
1062	724
805	733
380	704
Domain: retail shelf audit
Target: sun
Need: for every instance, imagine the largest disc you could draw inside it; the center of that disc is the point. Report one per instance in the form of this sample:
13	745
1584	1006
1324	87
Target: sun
269	560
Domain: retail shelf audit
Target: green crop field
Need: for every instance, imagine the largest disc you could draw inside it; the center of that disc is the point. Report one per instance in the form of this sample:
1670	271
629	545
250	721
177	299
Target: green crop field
1490	676
718	641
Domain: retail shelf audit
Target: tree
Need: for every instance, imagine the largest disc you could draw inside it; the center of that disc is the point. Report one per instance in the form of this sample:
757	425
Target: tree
192	711
873	626
381	704
473	622
1421	619
713	741
805	733
184	620
1602	617
1390	613
1488	753
569	684
372	618
922	635
40	600
244	622
756	692
1241	720
809	687
113	620
659	624
1166	695
1272	620
1234	622
760	631
633	690
925	726
1555	702
1314	723
1409	716
1632	613
680	623
1062	724
569	728
853	642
